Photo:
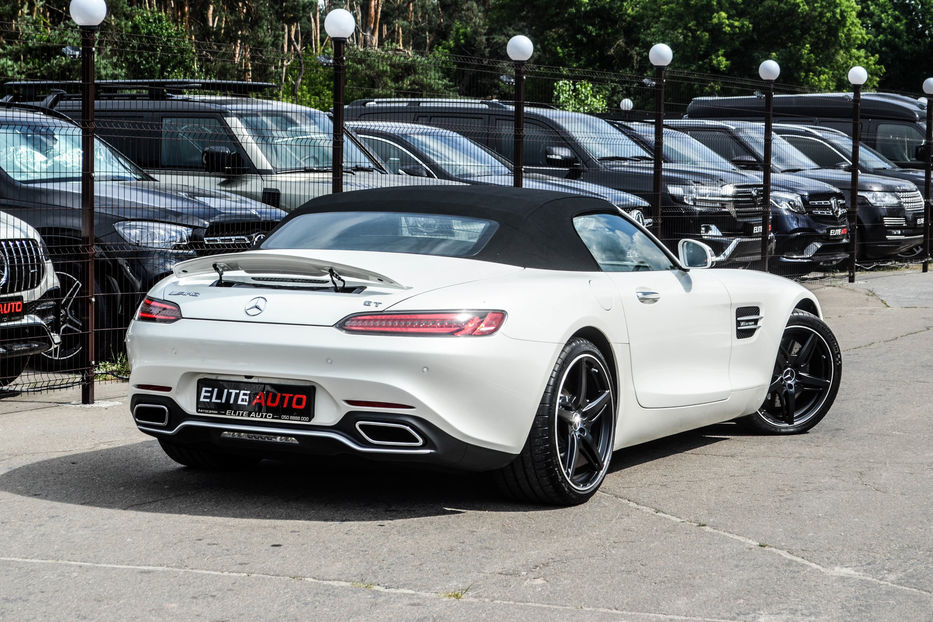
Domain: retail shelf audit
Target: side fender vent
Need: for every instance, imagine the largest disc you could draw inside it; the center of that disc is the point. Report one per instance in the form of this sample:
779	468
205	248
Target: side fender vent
747	321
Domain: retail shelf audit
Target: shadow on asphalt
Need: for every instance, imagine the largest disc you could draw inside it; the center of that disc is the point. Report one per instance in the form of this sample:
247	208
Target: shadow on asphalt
141	478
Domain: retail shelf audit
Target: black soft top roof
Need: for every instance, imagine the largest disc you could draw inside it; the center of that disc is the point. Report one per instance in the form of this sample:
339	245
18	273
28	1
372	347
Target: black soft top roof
535	226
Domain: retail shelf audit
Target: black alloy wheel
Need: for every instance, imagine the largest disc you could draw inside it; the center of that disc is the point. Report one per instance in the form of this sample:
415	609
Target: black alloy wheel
806	377
569	447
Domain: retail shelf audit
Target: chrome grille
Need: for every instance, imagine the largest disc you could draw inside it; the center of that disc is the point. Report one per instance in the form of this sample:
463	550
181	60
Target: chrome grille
22	266
892	222
748	202
912	200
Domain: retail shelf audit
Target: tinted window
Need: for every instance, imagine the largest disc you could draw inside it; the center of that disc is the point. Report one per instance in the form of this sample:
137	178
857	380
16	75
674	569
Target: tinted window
184	138
393	232
538	137
619	246
720	142
816	150
898	141
394	156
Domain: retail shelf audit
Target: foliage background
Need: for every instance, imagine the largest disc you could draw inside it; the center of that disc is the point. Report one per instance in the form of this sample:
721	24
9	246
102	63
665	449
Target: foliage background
589	53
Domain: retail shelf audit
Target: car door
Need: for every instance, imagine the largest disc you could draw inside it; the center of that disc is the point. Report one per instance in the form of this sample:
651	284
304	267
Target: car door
183	139
679	322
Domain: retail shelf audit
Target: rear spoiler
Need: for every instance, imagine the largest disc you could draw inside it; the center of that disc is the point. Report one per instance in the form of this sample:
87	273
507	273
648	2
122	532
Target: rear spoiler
270	262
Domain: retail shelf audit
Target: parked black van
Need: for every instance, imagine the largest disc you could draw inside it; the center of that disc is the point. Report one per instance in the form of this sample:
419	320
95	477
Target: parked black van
721	208
895	125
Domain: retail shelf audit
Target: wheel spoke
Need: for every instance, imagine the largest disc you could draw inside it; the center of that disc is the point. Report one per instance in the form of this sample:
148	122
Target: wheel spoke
581	384
776	383
588	446
806	351
573	450
812	382
565	408
788	406
594	409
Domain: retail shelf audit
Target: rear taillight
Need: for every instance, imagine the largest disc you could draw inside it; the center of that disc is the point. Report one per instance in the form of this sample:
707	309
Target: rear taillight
155	310
454	323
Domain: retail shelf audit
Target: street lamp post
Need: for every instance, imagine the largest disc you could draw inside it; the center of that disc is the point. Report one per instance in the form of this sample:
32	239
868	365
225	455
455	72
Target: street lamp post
519	50
769	72
88	14
857	77
928	89
660	56
339	25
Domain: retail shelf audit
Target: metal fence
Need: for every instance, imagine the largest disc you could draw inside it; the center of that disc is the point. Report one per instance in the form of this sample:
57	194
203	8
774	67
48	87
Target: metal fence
205	164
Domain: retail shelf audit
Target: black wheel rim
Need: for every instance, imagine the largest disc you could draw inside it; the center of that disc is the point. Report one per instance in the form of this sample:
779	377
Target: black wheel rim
72	327
802	379
584	423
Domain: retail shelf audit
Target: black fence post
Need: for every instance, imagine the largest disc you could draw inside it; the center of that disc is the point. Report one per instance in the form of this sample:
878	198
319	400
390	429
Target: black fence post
519	49
88	36
660	56
769	71
928	89
857	77
339	25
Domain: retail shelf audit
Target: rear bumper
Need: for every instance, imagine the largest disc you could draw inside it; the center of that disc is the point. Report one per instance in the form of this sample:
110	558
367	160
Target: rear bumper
481	392
425	443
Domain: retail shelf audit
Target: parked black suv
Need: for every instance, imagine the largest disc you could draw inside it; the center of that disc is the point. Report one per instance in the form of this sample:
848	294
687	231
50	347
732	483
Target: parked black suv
722	208
890	211
808	217
426	151
216	134
893	124
143	227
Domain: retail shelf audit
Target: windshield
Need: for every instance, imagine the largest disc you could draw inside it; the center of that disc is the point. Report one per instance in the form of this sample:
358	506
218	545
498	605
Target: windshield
600	139
681	148
458	155
868	157
45	152
298	140
392	232
784	156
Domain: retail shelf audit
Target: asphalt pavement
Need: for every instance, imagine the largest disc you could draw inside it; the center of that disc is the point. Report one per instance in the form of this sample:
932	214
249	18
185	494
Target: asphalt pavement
716	524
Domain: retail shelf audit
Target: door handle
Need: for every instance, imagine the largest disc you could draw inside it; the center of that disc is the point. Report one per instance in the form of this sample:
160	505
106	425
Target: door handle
647	297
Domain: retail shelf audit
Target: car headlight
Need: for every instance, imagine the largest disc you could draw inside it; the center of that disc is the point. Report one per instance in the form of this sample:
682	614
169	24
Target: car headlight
788	201
153	234
693	194
881	199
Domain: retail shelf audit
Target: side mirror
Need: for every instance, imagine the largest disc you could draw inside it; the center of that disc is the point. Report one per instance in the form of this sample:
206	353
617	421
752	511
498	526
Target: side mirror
694	254
922	152
415	170
560	157
222	160
747	163
843	166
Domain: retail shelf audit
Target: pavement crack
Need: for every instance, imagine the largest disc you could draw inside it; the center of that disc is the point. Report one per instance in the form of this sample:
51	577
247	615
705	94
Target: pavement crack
892	339
133	506
832	572
623	614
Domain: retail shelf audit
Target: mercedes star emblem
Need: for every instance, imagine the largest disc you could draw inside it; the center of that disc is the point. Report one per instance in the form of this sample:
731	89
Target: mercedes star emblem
256	306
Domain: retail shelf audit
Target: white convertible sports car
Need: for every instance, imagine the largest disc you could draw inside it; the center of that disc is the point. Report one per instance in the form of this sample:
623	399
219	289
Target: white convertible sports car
486	328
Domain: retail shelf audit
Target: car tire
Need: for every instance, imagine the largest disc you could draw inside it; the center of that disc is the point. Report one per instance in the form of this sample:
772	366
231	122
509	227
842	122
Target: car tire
11	368
68	355
805	381
205	458
569	447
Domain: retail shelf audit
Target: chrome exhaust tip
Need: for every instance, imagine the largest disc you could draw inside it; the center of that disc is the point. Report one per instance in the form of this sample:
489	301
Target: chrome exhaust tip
389	434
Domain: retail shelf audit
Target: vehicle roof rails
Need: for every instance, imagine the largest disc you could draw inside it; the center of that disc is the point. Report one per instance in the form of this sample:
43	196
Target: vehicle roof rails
444	101
9	103
155	89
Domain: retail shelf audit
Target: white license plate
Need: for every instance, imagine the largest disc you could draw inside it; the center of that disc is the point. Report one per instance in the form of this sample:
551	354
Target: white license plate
837	232
920	221
756	230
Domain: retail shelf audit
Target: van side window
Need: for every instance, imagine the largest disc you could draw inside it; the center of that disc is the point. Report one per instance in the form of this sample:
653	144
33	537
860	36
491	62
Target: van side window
184	138
538	137
720	142
817	150
898	141
473	128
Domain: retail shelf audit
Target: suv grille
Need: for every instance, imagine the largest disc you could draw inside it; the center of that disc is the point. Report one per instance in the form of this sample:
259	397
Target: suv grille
912	200
228	237
23	265
748	202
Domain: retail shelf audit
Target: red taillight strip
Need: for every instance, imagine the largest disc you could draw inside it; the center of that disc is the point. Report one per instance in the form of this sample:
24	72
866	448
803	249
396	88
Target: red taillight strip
454	323
153	387
155	310
367	404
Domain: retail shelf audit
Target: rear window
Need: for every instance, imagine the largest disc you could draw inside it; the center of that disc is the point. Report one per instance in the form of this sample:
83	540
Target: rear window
392	232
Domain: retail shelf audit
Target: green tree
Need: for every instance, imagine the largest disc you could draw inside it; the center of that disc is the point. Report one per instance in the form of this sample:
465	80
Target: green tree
815	41
901	35
154	47
579	97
